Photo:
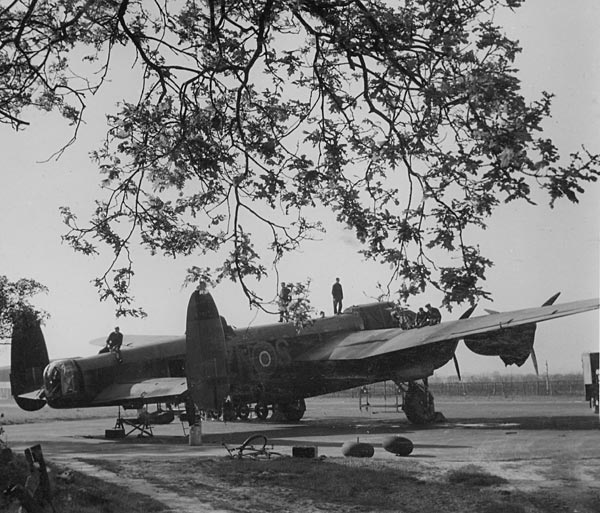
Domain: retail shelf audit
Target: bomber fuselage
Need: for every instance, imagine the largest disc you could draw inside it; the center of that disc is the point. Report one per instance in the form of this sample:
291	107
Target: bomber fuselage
264	363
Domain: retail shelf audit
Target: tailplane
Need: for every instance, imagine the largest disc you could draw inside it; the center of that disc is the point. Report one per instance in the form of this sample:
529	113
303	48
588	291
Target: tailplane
29	358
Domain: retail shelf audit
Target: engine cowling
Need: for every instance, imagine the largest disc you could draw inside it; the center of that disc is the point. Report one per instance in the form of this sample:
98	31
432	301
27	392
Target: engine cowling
206	354
512	345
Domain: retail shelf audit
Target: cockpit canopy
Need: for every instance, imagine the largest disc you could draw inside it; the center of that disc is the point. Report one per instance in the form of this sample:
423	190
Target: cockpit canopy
62	380
376	316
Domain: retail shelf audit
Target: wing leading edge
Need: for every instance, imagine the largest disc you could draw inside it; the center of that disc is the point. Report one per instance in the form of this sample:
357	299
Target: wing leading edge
130	341
370	343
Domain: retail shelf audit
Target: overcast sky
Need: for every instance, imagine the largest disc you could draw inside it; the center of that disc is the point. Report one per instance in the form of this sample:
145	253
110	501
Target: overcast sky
537	251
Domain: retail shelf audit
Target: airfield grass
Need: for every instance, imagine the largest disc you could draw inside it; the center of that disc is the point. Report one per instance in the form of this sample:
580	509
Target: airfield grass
294	485
344	485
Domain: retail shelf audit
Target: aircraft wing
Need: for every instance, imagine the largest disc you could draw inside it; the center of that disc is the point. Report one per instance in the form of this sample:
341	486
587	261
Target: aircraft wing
157	388
138	340
370	343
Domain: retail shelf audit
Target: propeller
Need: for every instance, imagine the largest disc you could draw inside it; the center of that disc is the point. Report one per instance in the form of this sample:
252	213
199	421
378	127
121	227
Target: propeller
468	313
549	301
534	360
465	315
456	367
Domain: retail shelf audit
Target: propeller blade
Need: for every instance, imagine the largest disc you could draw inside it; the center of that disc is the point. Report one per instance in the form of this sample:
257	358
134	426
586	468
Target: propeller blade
468	313
534	360
456	367
551	300
491	311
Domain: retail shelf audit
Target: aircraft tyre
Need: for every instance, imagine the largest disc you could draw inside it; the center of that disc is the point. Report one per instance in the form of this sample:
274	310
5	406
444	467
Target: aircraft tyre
293	411
243	412
261	410
418	405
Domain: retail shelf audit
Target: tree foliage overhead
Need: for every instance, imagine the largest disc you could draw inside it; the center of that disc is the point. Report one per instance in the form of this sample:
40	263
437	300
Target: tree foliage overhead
404	118
15	300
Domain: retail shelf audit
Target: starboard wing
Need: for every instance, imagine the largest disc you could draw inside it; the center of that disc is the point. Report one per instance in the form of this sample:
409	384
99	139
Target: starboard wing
149	389
370	343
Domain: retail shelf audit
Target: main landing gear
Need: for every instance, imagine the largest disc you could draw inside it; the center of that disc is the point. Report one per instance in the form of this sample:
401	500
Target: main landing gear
291	411
262	411
418	404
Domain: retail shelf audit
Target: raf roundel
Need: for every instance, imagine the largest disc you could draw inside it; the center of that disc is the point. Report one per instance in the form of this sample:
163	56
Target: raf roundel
264	358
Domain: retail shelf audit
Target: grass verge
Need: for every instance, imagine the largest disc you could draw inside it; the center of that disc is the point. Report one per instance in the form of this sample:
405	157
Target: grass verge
73	492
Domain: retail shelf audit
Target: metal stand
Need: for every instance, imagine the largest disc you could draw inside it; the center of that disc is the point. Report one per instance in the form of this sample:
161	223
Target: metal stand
120	431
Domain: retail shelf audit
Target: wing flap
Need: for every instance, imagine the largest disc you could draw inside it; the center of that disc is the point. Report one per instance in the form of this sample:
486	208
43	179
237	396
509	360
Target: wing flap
157	388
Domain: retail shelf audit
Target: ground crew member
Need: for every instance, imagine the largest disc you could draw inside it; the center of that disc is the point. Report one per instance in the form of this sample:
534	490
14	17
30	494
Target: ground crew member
338	294
433	315
113	344
421	319
285	298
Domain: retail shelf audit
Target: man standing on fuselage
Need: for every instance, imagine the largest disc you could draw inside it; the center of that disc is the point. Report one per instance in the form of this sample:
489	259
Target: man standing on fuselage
285	297
338	294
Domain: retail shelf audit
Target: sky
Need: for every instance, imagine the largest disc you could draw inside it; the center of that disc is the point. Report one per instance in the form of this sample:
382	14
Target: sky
537	251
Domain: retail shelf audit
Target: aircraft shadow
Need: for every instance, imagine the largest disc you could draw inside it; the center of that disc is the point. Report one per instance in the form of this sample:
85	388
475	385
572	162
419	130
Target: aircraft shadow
300	433
580	422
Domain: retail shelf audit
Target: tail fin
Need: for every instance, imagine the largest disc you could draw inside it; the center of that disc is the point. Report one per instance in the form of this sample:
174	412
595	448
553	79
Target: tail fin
206	355
29	358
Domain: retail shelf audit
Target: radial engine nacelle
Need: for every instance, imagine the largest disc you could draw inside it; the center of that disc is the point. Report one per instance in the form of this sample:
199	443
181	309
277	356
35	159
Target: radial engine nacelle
512	344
